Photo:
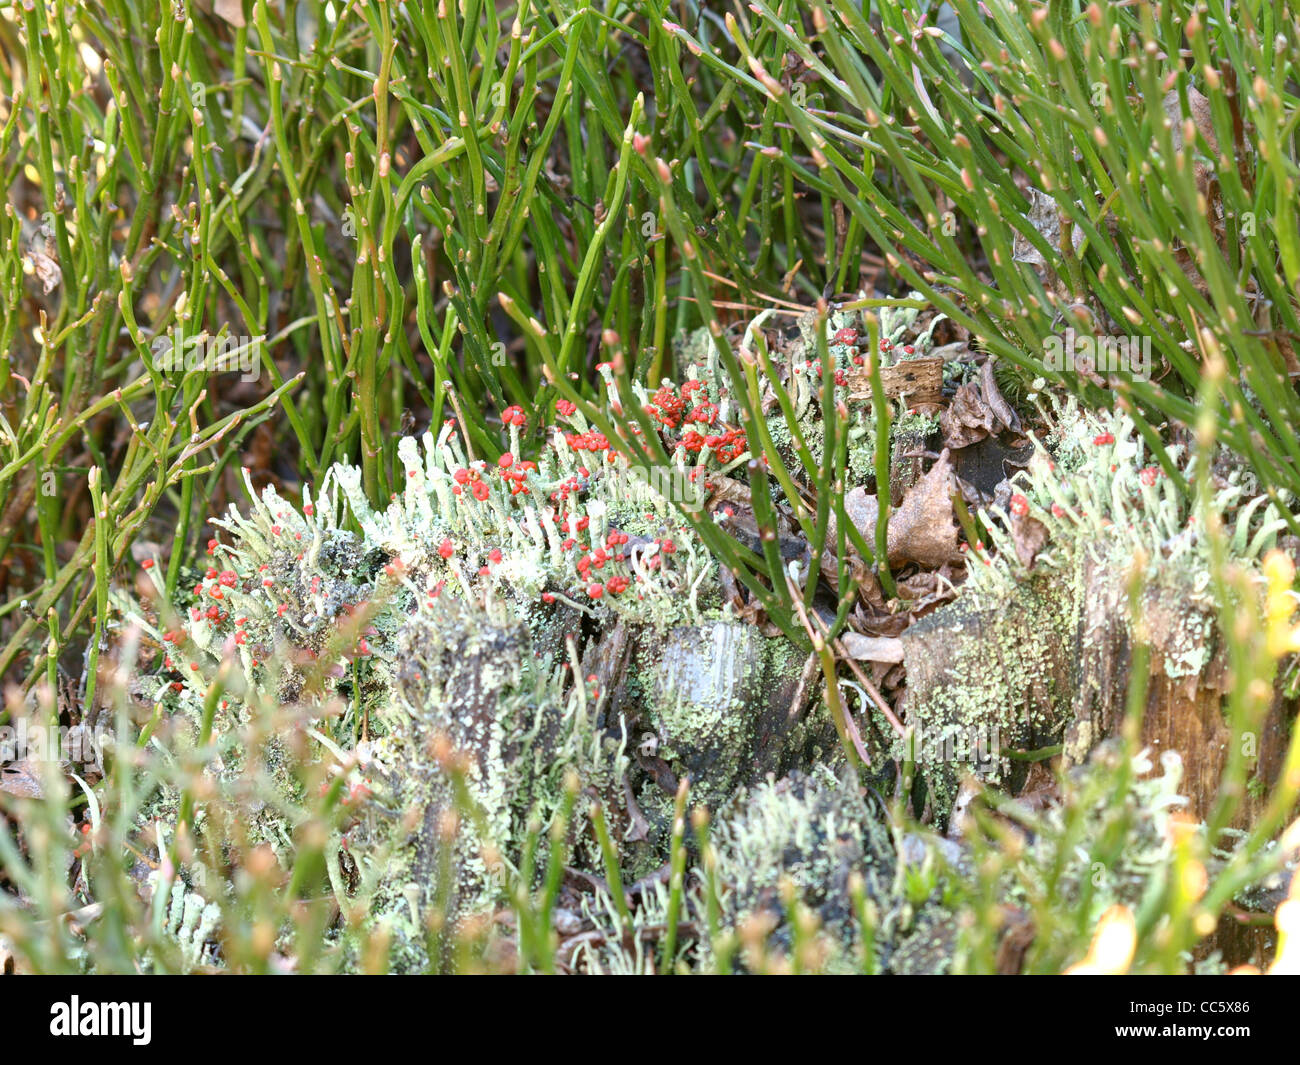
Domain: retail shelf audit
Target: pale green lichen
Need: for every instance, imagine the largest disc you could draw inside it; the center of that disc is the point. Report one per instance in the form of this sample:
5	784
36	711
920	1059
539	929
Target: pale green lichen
809	841
446	622
1006	686
469	684
193	922
1095	486
1018	626
1055	869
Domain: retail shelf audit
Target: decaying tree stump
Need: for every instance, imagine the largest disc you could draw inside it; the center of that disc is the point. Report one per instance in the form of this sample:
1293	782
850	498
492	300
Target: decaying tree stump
1057	669
718	703
1188	681
985	677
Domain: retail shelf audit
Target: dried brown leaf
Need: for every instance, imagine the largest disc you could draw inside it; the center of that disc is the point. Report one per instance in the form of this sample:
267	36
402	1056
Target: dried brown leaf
1030	536
22	780
46	268
994	399
232	11
967	419
924	529
1045	216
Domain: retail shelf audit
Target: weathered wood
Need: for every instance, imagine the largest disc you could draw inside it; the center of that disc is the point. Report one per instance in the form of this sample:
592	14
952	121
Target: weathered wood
1183	712
966	661
920	380
1186	687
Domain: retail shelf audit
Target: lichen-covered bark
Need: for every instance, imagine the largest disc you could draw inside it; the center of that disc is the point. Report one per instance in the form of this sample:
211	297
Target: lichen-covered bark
984	676
715	703
469	687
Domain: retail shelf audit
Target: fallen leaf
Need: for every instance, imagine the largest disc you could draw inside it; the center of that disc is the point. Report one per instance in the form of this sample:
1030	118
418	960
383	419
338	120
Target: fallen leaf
1045	216
923	529
872	648
881	622
727	490
731	594
978	410
230	10
1029	536
22	780
861	508
994	399
967	420
40	254
868	586
926	590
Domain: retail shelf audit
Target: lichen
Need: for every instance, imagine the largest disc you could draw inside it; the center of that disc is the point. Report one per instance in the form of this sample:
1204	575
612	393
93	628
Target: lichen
809	843
469	688
1006	686
448	630
1105	508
